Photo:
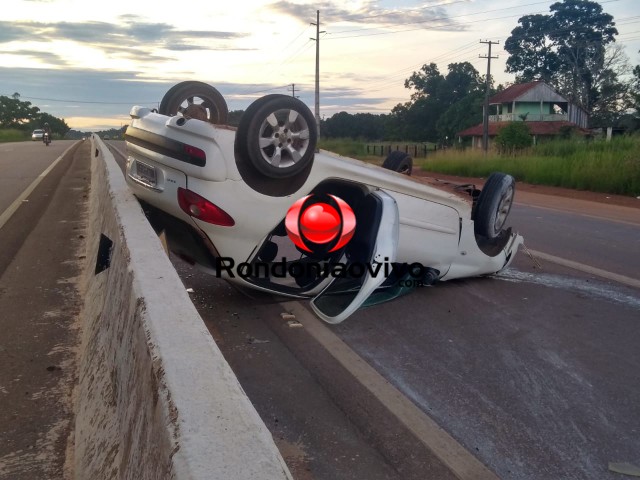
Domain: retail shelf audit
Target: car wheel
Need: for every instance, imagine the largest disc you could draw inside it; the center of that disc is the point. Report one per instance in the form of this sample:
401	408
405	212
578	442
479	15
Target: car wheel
494	204
399	162
195	100
277	136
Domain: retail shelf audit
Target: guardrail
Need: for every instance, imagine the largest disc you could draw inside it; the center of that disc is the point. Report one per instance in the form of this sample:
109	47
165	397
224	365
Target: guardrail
416	150
156	399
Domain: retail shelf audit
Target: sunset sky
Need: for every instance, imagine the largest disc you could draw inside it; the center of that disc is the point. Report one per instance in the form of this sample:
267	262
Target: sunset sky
88	62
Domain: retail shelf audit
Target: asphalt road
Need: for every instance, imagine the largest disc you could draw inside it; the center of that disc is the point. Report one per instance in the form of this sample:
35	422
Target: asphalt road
535	371
21	163
598	242
41	258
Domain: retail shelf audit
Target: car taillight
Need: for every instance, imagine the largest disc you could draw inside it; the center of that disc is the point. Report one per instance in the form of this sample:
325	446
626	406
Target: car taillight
194	152
202	209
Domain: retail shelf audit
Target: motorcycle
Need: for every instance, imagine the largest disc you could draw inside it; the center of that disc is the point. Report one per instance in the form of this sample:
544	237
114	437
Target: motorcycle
46	139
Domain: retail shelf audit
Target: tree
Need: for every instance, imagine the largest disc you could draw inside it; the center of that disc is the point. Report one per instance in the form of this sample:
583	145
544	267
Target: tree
433	95
513	137
532	52
426	82
463	114
15	113
610	96
234	117
360	125
566	49
58	126
635	90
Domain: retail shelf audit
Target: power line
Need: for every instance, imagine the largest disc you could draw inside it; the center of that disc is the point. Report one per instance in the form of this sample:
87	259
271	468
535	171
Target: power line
267	90
387	13
267	63
450	24
83	101
462	50
388	81
443	18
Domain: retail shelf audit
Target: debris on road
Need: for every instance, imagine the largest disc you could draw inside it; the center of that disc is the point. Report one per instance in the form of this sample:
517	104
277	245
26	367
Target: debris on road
536	263
252	340
625	469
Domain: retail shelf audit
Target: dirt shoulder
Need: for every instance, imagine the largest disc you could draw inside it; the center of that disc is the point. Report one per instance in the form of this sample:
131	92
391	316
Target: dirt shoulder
593	204
521	187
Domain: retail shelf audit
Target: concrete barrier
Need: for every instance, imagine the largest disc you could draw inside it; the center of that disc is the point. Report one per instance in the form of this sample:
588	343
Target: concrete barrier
156	398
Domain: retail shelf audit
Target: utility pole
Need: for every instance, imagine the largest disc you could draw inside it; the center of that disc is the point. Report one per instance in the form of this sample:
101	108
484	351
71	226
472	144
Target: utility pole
485	113
317	40
293	90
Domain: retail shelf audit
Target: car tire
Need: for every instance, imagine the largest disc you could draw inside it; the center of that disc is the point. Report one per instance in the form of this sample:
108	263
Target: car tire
277	137
494	204
195	100
399	162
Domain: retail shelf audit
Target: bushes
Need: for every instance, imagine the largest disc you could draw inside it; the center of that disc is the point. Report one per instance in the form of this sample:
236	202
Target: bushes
612	167
14	135
513	137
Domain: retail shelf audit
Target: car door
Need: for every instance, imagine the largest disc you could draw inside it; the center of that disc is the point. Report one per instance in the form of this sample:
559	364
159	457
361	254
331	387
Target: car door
368	256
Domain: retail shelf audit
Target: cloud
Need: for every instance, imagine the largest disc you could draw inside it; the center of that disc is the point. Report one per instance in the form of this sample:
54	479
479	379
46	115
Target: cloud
369	14
48	58
132	33
109	95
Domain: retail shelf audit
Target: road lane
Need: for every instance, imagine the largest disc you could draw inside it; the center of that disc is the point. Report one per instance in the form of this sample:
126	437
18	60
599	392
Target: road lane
534	371
21	163
41	259
597	242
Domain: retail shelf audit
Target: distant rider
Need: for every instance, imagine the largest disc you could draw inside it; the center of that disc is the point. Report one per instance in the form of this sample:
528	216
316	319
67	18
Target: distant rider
47	131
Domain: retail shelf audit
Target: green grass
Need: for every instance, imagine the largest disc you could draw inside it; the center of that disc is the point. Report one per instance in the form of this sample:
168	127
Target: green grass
358	148
610	167
599	166
14	135
344	146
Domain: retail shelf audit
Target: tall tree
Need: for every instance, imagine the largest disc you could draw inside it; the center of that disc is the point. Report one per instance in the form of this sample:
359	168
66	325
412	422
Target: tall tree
611	96
566	49
15	113
463	114
360	125
433	94
635	89
532	52
58	125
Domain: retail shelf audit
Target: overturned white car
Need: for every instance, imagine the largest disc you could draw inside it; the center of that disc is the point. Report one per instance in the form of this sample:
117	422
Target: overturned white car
259	207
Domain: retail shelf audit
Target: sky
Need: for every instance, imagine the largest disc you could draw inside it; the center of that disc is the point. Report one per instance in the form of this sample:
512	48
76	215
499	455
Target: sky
89	62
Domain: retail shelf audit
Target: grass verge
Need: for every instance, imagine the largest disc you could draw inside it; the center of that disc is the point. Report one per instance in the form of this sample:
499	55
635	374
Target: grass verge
599	166
14	135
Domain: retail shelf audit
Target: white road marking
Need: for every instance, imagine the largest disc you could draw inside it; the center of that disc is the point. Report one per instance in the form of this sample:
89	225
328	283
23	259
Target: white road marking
594	289
631	282
444	446
8	213
580	214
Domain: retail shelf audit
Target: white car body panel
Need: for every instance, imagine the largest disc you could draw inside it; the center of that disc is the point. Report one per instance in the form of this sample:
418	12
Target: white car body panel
385	249
434	226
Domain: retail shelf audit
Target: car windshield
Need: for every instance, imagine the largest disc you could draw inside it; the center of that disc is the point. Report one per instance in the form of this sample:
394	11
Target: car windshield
38	131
